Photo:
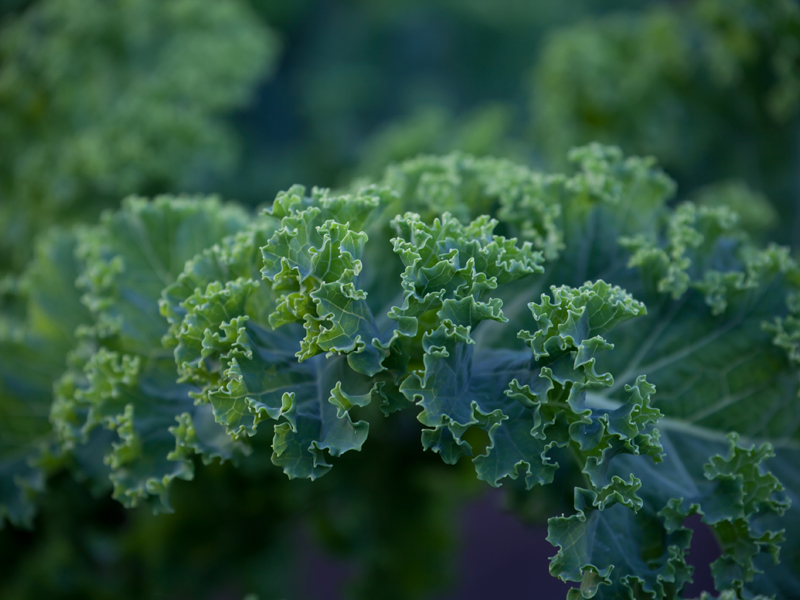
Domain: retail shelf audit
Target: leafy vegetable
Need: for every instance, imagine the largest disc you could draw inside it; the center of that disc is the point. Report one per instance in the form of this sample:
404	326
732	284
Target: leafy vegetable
576	322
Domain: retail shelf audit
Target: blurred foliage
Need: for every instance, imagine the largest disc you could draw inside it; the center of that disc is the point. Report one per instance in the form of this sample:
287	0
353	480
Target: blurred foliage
757	214
395	529
101	98
710	87
432	130
351	69
34	342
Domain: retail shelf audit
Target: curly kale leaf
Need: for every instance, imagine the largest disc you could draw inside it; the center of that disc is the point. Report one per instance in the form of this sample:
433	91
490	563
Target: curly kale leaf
717	343
660	370
315	256
237	336
121	379
33	352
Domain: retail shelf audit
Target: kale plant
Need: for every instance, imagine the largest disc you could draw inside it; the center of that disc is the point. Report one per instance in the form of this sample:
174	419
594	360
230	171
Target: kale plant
533	324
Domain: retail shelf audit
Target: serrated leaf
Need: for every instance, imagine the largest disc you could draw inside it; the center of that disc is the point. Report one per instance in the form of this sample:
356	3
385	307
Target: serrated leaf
122	379
33	352
706	347
249	372
315	259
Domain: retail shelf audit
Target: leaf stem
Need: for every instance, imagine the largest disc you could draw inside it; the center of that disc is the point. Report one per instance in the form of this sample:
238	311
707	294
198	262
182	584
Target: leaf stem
598	401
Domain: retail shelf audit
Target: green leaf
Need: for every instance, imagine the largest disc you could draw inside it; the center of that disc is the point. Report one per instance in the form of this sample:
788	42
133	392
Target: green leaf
315	259
651	564
607	196
138	251
33	352
450	270
615	553
248	372
529	406
121	378
707	345
467	187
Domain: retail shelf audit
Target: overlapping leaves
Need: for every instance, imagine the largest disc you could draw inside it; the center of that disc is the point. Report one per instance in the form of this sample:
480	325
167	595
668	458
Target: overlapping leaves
707	345
269	320
238	336
718	342
120	379
33	351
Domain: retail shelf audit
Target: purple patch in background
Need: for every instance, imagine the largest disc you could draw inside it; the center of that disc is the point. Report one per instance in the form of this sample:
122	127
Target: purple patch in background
500	557
504	558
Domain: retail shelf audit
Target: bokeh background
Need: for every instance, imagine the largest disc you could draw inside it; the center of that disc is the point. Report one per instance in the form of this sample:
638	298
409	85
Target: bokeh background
104	98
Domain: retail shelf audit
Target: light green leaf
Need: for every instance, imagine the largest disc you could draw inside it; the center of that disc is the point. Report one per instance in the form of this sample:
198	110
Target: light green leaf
315	259
121	378
248	372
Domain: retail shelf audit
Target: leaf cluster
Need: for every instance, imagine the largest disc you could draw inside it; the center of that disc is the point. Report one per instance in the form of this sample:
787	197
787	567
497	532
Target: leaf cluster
555	322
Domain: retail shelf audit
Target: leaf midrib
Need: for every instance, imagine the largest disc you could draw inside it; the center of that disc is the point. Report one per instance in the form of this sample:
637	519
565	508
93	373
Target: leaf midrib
594	400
